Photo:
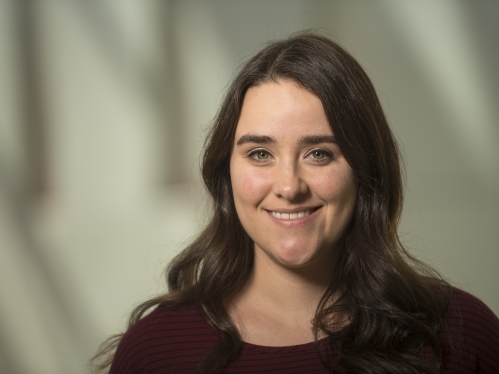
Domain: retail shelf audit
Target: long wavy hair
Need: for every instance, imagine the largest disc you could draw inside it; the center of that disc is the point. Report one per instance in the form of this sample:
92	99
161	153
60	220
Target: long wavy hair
394	304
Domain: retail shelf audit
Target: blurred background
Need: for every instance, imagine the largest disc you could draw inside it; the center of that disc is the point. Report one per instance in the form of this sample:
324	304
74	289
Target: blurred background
103	109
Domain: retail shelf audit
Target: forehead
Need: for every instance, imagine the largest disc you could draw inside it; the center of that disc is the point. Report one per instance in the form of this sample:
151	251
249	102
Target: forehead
282	109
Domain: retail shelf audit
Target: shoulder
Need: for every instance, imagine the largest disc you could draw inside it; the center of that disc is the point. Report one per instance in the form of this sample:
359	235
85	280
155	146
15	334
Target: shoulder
169	337
473	331
471	312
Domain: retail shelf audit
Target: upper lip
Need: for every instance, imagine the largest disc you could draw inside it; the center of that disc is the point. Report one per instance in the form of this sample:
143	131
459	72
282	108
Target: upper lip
294	210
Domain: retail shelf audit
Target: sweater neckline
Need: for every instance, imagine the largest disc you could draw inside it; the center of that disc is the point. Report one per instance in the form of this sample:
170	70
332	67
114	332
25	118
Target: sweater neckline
287	348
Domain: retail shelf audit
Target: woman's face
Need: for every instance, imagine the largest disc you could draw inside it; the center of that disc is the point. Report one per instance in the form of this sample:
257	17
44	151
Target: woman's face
294	191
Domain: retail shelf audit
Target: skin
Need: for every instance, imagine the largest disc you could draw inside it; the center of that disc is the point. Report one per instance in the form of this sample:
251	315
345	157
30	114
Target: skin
285	160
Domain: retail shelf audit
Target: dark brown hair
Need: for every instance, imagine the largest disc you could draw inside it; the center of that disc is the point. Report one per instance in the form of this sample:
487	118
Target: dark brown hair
395	305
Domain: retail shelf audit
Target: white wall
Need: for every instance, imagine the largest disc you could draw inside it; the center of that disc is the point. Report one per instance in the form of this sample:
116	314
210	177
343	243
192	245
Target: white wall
122	93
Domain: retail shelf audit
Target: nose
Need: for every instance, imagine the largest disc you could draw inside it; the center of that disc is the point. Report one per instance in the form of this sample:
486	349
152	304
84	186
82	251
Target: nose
288	183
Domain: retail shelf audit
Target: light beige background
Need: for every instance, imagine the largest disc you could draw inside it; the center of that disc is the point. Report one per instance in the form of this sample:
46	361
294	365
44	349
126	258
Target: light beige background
103	110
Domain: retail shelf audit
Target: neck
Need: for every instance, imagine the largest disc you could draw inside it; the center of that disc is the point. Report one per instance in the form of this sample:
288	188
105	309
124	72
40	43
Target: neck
294	292
278	303
290	288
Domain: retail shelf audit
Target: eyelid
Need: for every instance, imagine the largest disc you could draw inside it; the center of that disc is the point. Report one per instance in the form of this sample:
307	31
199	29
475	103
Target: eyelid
254	151
328	155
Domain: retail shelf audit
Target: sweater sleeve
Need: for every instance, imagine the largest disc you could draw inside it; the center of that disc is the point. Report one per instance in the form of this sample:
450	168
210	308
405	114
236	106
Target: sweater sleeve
169	340
474	344
129	356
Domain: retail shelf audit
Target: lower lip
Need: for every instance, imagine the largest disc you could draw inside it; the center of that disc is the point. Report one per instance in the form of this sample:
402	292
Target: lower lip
296	222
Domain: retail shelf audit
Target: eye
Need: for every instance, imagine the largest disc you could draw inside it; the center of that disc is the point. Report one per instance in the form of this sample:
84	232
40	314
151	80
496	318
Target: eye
320	155
262	155
259	155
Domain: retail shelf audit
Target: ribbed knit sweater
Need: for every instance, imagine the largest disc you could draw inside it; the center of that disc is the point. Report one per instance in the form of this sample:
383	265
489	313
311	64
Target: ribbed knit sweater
172	340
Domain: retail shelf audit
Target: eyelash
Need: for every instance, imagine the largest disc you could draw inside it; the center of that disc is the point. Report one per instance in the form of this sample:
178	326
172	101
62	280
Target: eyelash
327	155
254	154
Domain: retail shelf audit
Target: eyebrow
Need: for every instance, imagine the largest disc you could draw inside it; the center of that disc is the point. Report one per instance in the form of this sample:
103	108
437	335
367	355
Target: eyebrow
259	139
264	139
317	139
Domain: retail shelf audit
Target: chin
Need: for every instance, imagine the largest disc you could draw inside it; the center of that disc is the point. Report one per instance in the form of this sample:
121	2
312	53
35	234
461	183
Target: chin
293	262
294	256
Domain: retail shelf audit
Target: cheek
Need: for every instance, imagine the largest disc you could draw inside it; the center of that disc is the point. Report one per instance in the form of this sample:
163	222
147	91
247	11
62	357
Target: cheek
248	186
338	187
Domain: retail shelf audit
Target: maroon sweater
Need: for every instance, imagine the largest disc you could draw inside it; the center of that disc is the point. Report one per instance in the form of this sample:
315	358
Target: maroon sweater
173	340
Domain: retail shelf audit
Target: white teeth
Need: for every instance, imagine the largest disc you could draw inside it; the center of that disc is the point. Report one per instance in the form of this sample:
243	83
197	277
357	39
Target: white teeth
290	215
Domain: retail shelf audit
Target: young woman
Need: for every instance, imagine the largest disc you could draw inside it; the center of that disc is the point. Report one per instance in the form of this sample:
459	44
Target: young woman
300	269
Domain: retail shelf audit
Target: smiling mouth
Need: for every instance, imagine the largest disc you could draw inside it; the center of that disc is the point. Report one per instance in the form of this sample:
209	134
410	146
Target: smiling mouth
293	215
